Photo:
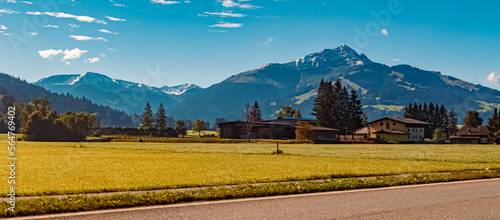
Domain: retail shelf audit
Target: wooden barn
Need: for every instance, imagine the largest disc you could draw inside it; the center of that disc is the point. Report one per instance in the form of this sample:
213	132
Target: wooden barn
282	128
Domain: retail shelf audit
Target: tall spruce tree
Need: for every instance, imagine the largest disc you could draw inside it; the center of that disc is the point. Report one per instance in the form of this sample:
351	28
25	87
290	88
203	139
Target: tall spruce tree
255	112
161	122
355	114
453	124
494	127
323	104
147	118
409	111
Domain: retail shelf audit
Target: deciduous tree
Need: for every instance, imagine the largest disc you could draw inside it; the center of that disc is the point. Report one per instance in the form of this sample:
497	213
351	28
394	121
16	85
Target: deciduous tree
472	119
199	126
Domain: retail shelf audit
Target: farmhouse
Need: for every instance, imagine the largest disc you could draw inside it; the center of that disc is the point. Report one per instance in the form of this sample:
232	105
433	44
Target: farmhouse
282	128
397	129
471	135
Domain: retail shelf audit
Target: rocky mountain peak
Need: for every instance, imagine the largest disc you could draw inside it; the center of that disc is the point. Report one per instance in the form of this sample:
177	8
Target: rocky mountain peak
340	56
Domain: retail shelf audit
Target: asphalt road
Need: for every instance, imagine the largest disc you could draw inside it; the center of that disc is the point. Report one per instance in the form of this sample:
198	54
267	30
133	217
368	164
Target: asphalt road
478	199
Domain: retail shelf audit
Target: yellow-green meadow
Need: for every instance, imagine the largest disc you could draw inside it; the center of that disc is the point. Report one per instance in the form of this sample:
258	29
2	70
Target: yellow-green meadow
48	168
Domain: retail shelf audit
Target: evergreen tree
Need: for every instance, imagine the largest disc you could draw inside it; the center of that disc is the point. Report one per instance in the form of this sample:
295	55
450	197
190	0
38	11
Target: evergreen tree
452	125
409	111
494	127
161	122
323	104
255	112
355	114
343	111
425	113
444	120
420	113
147	118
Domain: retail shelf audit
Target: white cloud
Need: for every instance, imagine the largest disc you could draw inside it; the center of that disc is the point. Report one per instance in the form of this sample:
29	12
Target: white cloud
163	2
396	60
49	54
33	13
384	32
111	49
67	63
85	38
2	27
232	4
92	60
107	31
33	33
227	25
72	54
8	11
225	14
81	18
74	25
26	2
13	1
51	26
493	78
68	54
187	1
103	55
114	19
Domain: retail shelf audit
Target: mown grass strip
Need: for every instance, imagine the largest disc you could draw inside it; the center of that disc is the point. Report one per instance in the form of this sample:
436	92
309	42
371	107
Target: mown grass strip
85	203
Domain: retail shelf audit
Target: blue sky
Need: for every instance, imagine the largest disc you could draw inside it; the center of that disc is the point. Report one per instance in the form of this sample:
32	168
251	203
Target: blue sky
161	42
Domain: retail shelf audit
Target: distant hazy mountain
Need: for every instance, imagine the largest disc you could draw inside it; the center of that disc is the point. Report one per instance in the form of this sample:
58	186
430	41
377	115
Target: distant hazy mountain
25	92
119	94
384	90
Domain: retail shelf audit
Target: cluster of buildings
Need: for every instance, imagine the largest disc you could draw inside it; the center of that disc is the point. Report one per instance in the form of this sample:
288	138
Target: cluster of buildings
384	129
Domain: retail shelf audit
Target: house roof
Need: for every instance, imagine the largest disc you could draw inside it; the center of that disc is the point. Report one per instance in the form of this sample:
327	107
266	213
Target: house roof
282	123
389	132
403	120
363	130
316	128
472	131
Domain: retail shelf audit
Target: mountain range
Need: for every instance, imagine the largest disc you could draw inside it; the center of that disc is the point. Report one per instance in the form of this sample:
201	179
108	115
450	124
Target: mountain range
14	90
384	90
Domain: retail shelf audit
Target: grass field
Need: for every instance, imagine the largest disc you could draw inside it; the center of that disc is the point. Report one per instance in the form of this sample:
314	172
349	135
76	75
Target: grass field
58	168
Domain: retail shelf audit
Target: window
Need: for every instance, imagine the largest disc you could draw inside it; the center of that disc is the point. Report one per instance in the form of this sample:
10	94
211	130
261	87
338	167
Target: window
381	123
393	123
420	137
420	129
408	130
387	125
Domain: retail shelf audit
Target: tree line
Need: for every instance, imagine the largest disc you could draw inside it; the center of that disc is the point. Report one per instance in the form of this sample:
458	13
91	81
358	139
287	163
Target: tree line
336	107
157	124
40	123
441	121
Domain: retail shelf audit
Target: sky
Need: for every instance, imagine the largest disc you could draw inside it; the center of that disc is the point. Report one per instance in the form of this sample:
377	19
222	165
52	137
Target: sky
160	42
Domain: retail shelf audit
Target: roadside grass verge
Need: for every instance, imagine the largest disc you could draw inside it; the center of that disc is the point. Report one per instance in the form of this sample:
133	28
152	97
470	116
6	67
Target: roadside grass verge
45	206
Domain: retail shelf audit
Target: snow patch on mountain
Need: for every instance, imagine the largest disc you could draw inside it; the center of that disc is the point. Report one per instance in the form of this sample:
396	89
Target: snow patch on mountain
180	89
